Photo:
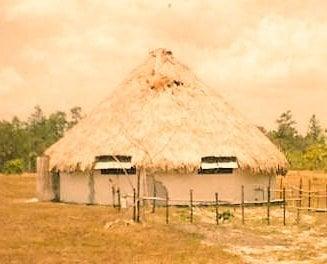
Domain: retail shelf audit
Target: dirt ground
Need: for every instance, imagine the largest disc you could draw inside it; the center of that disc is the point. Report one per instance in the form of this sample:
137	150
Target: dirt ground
256	242
34	232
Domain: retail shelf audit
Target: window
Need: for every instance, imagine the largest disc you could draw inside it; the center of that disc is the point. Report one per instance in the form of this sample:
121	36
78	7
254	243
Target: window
215	165
110	164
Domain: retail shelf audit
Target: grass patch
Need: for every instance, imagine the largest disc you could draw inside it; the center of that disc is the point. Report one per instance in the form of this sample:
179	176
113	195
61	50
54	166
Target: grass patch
70	233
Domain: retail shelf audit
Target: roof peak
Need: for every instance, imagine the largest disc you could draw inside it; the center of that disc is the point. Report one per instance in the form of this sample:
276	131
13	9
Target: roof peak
160	52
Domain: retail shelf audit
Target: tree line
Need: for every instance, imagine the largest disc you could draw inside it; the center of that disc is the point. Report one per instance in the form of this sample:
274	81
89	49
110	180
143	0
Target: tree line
303	152
22	141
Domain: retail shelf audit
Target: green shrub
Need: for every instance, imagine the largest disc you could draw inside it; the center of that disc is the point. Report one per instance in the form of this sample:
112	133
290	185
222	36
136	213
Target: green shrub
14	166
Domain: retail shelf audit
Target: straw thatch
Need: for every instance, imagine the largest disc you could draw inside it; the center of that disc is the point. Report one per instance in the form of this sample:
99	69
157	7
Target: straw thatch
165	118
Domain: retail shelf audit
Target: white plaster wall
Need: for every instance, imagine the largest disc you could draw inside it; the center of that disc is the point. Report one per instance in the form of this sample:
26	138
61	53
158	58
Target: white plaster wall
205	186
75	187
103	187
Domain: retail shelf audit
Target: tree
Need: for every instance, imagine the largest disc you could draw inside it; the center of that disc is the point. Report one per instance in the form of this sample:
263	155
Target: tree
315	157
315	132
21	142
286	125
56	126
37	117
76	116
14	166
6	142
262	129
309	152
286	136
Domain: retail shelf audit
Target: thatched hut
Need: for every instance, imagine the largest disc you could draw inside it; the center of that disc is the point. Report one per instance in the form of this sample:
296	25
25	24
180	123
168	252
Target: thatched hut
164	123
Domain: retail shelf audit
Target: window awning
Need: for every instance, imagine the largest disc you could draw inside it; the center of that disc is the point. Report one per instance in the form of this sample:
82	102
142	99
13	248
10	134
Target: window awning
99	165
212	162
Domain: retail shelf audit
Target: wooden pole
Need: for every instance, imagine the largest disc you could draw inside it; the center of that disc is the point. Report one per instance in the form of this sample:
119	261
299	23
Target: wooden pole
268	205
167	208
134	205
138	197
113	196
91	187
300	202
191	206
309	197
284	206
242	203
155	196
119	201
44	186
326	197
55	179
217	209
281	188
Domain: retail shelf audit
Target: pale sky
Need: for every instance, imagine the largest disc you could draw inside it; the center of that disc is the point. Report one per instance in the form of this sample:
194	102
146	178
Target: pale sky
264	57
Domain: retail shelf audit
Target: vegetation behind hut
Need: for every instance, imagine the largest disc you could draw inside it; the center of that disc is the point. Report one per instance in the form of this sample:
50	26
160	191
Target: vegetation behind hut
303	152
22	141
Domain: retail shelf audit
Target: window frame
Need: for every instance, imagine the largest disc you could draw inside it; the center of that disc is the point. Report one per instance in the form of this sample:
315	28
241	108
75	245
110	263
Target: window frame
115	170
217	169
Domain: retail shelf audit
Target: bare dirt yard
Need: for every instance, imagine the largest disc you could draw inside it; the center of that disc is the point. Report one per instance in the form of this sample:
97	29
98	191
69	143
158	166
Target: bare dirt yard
35	232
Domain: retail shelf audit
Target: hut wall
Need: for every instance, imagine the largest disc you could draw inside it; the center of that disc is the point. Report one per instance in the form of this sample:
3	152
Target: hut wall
75	187
204	186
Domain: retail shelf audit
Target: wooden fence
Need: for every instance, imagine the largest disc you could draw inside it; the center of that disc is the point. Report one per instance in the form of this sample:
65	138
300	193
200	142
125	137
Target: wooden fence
286	197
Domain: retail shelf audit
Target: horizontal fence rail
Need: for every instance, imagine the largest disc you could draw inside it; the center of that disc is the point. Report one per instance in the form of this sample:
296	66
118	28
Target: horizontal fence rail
287	197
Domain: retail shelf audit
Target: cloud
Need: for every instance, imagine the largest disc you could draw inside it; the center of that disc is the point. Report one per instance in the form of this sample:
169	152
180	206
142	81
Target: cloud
275	49
252	52
9	81
45	8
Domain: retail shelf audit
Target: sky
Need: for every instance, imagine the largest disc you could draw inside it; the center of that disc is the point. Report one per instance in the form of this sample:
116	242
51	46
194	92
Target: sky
264	57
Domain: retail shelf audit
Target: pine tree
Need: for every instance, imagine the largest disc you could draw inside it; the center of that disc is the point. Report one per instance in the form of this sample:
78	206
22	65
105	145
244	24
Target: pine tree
315	131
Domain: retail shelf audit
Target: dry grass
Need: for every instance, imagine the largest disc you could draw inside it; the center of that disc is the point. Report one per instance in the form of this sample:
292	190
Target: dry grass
64	233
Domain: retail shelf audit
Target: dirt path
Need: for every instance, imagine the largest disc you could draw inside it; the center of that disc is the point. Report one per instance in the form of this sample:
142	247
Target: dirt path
258	243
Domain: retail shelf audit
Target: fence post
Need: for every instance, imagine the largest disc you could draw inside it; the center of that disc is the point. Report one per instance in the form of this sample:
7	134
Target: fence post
167	208
134	205
242	203
155	196
281	188
119	201
138	197
217	208
309	197
300	201
284	206
113	196
191	206
326	197
317	199
268	205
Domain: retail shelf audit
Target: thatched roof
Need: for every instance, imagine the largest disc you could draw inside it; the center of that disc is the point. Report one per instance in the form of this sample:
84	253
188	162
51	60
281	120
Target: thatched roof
165	118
